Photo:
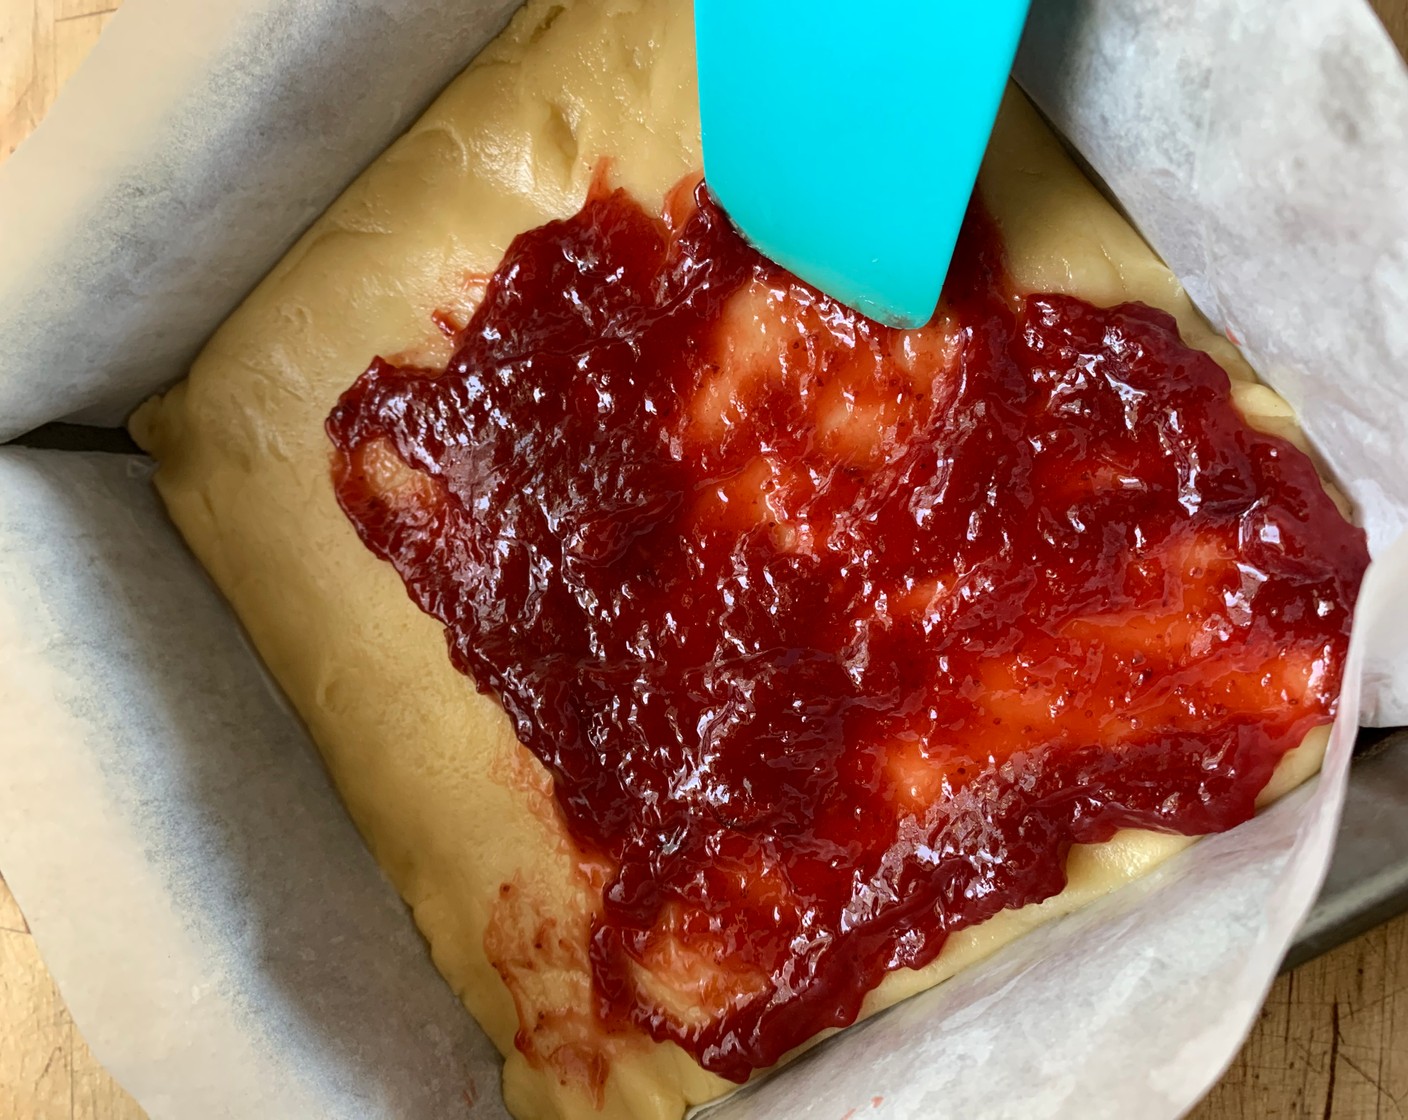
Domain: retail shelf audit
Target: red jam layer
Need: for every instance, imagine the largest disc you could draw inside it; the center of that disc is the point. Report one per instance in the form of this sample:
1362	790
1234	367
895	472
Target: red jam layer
835	637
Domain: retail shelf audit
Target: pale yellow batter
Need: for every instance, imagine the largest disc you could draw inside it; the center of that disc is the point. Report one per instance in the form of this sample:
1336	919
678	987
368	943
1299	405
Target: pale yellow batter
458	813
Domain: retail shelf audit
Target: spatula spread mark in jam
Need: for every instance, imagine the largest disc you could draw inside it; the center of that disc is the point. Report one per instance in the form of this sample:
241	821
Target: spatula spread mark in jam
833	637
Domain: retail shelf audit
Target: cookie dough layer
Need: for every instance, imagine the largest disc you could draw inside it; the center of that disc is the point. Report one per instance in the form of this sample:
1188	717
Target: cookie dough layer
456	811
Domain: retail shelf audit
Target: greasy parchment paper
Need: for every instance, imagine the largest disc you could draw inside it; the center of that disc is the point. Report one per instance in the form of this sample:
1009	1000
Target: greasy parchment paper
222	938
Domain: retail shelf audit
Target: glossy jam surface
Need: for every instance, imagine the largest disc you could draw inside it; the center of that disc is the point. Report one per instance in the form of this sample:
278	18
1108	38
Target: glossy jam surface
834	637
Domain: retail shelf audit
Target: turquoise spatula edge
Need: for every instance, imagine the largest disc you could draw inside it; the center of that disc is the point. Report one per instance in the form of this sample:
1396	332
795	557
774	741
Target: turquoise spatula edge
844	140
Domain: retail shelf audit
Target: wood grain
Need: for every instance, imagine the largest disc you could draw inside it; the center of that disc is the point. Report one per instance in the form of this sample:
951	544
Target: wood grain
1394	16
46	1069
1331	1042
41	44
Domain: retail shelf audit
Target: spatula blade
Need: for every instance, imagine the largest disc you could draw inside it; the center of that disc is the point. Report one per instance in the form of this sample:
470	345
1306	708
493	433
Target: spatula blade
844	139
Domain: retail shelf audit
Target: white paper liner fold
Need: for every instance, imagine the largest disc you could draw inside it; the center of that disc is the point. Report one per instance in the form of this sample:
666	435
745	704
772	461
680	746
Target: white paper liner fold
188	152
223	938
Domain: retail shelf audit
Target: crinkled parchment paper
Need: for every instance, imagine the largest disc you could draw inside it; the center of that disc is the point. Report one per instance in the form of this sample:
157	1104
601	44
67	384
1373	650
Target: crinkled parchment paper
227	943
221	936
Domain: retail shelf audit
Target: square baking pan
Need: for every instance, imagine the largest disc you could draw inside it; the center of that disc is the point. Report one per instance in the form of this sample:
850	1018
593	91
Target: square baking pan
1148	946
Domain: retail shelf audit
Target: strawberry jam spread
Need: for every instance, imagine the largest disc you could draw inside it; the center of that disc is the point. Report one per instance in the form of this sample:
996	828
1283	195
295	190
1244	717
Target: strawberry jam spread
834	637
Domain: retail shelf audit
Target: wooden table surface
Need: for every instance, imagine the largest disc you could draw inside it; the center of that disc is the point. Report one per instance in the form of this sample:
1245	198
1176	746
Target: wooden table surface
1332	1040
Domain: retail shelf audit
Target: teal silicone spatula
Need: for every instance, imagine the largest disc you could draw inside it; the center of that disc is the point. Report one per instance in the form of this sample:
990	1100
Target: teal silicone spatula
844	139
